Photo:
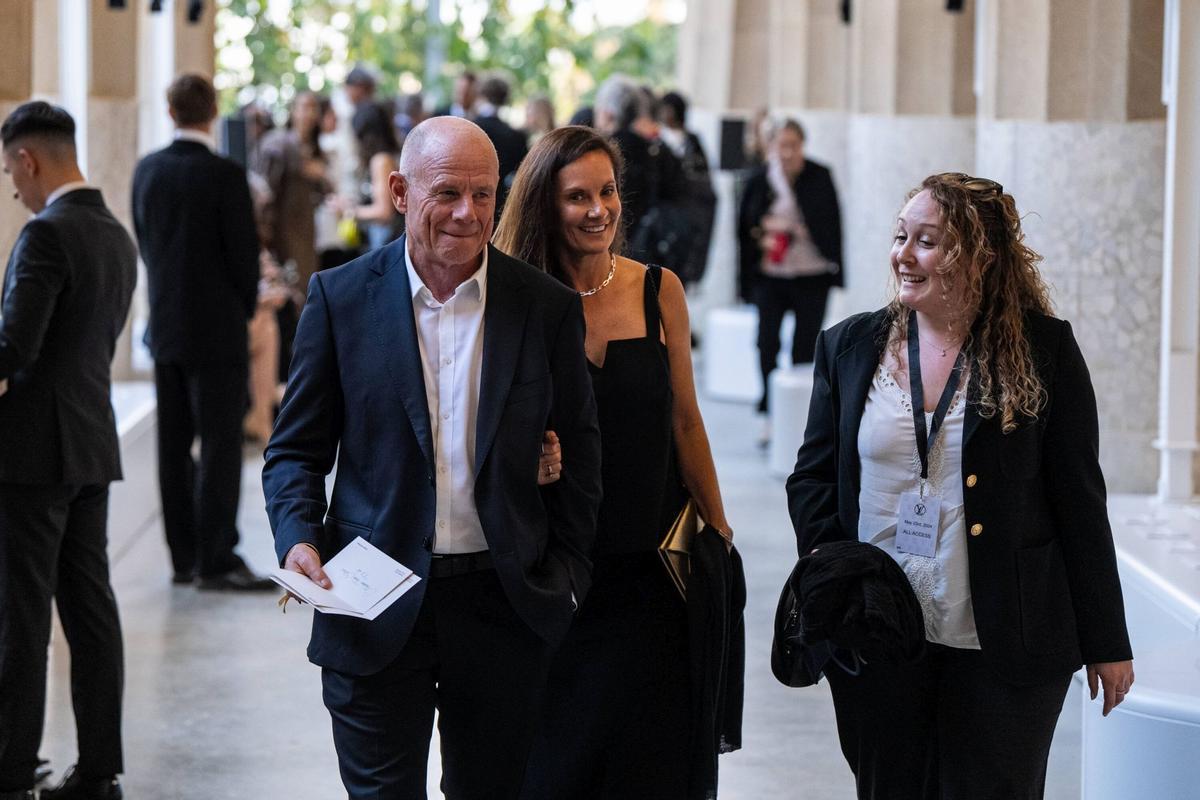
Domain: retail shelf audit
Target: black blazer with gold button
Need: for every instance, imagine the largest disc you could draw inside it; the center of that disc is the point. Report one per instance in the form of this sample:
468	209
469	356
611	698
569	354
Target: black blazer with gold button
1043	570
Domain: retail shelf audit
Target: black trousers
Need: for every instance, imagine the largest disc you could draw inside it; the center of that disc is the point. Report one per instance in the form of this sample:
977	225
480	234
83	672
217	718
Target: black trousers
55	540
200	500
616	723
945	728
805	297
473	659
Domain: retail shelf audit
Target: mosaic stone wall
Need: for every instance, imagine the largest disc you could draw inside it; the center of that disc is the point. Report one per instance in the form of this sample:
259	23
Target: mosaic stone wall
1092	199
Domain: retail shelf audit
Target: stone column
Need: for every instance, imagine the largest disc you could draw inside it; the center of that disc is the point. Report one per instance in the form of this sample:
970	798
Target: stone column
194	50
16	85
112	123
1061	128
1179	381
911	115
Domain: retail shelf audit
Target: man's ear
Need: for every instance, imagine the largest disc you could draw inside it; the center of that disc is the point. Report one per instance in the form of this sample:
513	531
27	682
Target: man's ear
28	161
399	188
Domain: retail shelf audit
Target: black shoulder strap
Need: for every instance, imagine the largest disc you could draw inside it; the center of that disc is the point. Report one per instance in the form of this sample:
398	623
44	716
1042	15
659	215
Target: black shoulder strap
650	298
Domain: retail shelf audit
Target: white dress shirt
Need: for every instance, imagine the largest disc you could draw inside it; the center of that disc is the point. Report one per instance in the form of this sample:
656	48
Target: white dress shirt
72	186
450	336
887	448
199	137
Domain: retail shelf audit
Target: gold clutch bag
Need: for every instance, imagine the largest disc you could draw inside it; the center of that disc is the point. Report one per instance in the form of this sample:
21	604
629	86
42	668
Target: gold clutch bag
676	547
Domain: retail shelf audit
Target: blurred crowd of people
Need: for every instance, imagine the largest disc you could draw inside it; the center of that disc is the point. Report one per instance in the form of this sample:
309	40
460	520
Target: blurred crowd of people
320	184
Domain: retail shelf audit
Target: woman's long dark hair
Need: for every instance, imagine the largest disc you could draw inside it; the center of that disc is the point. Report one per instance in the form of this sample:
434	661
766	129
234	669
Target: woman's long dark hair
530	228
375	133
313	140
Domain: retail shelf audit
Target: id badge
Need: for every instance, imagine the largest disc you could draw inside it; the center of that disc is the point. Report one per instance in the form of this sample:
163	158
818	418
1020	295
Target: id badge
918	524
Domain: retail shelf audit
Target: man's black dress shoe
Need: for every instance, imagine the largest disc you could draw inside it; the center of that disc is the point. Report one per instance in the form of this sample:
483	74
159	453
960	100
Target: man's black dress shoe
238	579
77	787
20	794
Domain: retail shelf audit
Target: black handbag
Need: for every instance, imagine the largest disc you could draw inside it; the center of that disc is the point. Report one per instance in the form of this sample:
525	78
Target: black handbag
794	663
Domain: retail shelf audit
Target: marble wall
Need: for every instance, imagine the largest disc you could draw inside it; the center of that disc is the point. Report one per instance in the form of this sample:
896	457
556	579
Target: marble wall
1092	198
886	156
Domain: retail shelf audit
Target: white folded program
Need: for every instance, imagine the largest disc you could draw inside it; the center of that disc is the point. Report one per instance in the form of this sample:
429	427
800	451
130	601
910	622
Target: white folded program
366	581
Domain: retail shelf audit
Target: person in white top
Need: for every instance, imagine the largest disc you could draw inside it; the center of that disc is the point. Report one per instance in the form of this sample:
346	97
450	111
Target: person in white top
956	430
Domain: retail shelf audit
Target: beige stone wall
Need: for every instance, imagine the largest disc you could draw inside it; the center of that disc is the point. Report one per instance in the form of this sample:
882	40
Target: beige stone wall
1068	118
16	83
119	91
1091	196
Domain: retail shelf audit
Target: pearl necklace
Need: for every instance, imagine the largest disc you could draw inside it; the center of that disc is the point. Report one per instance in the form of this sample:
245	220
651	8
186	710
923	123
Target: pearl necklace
612	270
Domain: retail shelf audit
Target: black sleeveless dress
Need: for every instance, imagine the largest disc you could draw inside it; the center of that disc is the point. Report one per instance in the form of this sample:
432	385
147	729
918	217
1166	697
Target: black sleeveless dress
616	721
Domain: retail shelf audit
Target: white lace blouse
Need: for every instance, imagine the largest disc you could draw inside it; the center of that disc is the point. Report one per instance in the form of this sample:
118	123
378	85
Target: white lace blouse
887	448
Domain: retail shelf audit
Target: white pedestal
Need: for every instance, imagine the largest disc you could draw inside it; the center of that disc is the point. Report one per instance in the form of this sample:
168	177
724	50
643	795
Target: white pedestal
790	391
731	370
134	502
1148	746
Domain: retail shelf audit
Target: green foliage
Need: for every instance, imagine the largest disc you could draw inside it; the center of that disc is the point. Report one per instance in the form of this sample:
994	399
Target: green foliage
316	42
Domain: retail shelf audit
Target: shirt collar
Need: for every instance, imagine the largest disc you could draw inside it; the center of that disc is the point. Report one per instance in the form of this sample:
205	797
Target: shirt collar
73	186
476	284
187	135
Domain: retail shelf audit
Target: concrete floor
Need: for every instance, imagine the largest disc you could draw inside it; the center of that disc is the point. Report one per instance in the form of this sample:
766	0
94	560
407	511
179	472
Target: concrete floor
221	703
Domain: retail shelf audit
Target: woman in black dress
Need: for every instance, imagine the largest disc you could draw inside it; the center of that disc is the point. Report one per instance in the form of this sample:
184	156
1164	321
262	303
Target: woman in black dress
616	721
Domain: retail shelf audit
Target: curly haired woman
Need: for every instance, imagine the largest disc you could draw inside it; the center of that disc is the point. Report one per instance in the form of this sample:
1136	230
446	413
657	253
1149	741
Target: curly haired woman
956	429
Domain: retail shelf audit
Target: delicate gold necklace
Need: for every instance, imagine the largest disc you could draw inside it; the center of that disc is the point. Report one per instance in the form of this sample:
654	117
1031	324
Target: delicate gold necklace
612	270
945	349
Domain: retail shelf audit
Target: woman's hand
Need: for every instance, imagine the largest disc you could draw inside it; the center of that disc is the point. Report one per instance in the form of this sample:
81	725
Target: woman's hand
1116	677
550	464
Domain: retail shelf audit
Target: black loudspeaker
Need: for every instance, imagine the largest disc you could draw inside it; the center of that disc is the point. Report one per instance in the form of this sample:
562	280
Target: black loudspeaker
733	143
156	6
954	5
195	10
116	3
846	11
235	140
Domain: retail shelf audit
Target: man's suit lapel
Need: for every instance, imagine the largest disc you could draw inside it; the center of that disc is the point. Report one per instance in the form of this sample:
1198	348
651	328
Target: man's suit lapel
390	299
503	332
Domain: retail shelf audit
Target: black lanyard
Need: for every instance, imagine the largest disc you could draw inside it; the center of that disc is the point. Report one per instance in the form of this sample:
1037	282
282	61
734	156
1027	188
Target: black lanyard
925	439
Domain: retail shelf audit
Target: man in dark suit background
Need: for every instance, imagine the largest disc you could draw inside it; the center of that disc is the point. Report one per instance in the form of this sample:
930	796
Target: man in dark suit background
67	291
466	92
195	226
510	143
429	369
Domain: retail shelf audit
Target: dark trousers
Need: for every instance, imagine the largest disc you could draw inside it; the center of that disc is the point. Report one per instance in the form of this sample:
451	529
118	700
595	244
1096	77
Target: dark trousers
473	659
616	723
805	297
200	500
55	540
945	728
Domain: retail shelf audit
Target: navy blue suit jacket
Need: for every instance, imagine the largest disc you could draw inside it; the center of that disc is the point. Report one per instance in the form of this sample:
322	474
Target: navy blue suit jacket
357	394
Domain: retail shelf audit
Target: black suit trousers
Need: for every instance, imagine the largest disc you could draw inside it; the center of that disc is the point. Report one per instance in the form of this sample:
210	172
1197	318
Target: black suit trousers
945	728
472	658
805	297
200	500
56	540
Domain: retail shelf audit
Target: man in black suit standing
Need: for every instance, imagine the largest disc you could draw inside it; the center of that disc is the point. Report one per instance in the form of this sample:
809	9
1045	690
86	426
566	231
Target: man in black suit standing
66	295
466	92
429	369
510	143
195	226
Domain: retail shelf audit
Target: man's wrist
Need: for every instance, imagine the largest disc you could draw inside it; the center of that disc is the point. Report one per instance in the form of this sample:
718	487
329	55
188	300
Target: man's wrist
309	545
